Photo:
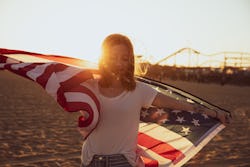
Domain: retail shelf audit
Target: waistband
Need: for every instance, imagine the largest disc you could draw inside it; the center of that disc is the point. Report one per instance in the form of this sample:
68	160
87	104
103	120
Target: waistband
112	160
112	156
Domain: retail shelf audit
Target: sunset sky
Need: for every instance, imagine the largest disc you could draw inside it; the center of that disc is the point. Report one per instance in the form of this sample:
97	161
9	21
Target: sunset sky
157	27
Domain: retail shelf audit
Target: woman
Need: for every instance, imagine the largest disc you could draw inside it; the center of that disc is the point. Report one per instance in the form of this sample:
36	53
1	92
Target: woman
114	141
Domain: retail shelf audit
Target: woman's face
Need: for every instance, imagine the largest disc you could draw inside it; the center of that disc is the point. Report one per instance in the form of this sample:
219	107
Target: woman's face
119	58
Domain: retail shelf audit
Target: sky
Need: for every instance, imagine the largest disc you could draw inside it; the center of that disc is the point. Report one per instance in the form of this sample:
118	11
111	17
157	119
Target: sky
157	28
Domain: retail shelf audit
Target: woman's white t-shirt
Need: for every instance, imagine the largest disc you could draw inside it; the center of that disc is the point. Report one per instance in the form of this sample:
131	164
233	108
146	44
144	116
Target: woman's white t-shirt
117	130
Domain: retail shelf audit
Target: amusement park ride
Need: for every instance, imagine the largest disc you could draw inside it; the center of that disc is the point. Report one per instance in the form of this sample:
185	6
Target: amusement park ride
188	57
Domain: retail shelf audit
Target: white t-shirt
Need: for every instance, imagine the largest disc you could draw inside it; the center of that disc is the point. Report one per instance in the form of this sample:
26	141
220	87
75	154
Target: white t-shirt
117	130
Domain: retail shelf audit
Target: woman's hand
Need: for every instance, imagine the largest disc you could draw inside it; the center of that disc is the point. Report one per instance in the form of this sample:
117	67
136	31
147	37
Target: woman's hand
223	116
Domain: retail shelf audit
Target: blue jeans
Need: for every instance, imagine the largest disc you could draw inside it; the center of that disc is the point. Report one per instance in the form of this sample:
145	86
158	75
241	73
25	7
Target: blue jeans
115	160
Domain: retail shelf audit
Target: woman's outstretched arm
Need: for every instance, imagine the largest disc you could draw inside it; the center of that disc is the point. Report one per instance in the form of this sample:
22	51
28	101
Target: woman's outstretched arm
162	100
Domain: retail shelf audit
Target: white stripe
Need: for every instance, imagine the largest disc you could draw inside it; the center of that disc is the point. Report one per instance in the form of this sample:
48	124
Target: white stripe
194	150
10	60
2	65
163	134
19	65
82	97
68	73
52	85
161	160
37	71
27	58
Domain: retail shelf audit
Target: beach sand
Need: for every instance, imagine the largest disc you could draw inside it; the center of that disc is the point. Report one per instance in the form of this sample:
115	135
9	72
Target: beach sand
35	131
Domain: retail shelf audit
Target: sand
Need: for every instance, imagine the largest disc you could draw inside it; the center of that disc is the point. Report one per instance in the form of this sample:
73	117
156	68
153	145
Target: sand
35	131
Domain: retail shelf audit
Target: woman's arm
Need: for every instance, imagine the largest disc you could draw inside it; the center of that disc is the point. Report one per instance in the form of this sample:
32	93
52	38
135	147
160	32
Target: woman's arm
162	100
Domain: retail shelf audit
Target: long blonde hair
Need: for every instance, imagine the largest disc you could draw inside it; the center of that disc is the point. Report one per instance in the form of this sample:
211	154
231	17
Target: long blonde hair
105	66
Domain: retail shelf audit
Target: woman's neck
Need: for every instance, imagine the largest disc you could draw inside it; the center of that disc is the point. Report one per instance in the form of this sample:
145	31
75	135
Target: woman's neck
116	83
115	88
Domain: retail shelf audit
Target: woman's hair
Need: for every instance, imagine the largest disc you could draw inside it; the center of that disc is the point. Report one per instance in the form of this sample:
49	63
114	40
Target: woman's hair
106	66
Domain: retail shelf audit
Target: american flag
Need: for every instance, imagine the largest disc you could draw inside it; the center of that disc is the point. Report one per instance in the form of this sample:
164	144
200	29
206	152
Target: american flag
62	82
166	137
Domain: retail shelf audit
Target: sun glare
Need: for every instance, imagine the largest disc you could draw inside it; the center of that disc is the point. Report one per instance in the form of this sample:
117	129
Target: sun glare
77	29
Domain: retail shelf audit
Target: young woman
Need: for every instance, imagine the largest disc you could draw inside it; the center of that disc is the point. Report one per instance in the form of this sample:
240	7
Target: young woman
114	141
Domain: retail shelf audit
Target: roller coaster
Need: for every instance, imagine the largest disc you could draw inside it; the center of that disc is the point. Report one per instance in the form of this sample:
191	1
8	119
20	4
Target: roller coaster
188	57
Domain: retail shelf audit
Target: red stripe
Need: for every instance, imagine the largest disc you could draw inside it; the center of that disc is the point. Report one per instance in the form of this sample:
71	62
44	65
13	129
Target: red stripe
161	148
61	100
76	79
81	89
10	51
87	91
6	59
149	162
3	59
53	68
76	106
22	71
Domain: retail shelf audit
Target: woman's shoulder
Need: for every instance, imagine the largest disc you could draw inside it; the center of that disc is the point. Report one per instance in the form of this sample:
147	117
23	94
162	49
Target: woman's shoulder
139	83
142	86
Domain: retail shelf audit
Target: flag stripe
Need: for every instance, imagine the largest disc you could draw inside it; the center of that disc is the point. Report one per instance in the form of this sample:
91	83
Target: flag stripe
49	70
3	59
28	58
151	155
77	96
68	73
20	71
18	66
163	134
37	71
11	51
75	106
78	78
52	84
81	89
162	148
